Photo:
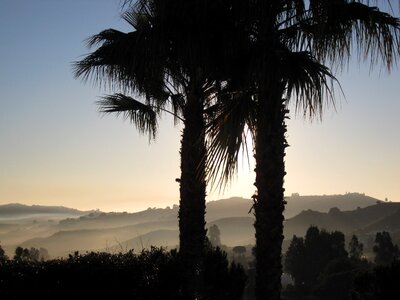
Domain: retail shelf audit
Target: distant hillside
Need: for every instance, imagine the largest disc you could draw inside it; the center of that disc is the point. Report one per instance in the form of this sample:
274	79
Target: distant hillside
64	242
116	219
16	210
389	223
358	220
240	207
349	201
62	230
227	208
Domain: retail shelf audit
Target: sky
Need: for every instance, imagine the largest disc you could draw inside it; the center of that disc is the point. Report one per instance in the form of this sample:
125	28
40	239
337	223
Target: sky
57	149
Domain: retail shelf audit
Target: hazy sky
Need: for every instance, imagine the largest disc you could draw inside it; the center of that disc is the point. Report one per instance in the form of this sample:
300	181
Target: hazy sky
56	149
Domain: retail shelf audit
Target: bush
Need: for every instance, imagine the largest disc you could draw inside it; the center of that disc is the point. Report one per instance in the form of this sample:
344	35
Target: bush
152	274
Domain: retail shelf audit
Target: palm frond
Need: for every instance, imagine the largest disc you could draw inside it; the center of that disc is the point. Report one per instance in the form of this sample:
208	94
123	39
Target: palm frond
141	115
340	28
307	82
177	104
227	136
104	37
112	63
139	15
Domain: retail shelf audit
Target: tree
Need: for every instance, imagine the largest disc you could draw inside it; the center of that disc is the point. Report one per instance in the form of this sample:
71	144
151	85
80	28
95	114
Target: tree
336	281
355	248
240	252
43	254
385	251
293	264
167	58
18	253
25	254
306	259
3	256
380	283
292	43
34	254
214	235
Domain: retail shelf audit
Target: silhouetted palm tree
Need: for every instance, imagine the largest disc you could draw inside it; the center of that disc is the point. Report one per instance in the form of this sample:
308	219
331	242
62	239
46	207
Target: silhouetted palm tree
169	60
292	43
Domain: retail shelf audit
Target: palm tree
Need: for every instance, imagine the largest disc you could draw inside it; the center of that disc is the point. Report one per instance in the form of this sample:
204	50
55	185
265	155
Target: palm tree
292	43
168	60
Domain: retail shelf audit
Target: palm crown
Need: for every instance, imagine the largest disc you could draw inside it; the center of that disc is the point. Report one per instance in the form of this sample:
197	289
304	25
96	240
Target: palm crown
293	46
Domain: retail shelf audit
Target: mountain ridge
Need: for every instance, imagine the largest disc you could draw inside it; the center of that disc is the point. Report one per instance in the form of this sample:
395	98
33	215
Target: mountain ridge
98	230
15	209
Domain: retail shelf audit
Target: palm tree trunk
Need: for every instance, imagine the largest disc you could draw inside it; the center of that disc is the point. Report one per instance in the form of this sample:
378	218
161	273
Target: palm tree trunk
269	202
192	232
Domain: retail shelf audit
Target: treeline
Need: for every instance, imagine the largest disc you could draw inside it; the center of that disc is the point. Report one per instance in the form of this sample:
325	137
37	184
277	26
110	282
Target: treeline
152	274
322	268
320	264
26	254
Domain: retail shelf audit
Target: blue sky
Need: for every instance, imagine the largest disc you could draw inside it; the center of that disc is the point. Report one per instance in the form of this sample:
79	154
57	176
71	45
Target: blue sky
56	149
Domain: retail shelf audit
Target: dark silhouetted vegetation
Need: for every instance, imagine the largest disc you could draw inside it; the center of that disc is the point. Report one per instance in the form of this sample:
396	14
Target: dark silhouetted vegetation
32	254
381	283
167	60
385	251
307	257
355	248
214	235
152	274
322	269
3	256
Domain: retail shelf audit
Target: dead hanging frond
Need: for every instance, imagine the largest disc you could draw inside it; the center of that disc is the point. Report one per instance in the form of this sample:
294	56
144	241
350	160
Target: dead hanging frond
227	136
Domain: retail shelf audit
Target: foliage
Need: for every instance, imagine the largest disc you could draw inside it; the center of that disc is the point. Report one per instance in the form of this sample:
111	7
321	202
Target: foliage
214	235
355	248
385	251
336	281
3	256
221	280
152	274
239	250
307	257
380	283
323	271
32	254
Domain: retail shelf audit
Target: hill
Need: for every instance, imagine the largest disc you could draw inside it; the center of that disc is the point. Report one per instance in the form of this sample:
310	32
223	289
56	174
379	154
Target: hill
390	223
39	226
64	242
348	201
116	219
359	220
240	207
20	211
